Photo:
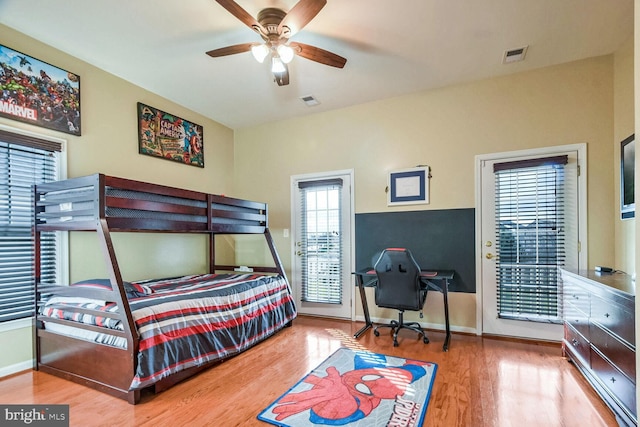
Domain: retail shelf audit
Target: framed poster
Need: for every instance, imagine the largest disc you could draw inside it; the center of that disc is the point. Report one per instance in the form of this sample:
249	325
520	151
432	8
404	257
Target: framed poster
170	137
627	177
38	93
408	186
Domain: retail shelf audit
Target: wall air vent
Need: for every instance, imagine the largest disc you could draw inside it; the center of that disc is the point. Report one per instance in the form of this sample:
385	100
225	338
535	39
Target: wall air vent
309	100
514	55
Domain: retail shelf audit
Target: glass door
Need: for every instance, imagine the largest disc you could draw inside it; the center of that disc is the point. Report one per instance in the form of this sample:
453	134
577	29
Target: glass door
322	245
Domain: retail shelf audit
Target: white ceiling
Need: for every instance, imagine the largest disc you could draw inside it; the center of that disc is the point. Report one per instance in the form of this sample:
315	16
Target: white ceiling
393	47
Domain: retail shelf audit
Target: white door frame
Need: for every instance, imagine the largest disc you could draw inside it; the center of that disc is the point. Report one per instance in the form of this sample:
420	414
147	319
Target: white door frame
581	148
349	294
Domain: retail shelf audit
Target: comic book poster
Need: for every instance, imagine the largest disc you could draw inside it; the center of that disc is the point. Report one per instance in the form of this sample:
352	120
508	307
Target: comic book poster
38	93
161	134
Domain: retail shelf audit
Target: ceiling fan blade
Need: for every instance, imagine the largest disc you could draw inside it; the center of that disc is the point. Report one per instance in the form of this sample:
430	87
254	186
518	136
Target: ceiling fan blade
318	55
230	50
299	16
282	78
237	11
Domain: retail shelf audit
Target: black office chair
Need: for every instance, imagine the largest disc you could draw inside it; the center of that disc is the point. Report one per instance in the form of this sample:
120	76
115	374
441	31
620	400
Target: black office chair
399	287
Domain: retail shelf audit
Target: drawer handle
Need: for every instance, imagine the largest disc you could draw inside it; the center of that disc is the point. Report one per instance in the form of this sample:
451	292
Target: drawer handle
607	315
613	380
574	342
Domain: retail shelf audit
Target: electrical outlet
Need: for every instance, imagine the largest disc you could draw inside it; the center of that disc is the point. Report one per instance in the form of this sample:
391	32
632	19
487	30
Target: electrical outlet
285	232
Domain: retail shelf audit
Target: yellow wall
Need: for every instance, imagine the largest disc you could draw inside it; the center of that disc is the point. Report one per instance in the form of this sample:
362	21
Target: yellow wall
624	125
109	145
446	129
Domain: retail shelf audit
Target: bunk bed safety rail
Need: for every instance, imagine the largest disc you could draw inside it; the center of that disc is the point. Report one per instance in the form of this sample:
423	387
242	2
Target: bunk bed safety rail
128	205
236	216
67	205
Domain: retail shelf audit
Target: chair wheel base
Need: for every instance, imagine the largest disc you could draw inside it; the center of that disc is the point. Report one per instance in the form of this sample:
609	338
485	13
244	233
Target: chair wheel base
396	325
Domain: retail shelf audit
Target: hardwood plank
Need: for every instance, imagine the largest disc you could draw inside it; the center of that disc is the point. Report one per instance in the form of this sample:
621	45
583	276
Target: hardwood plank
479	382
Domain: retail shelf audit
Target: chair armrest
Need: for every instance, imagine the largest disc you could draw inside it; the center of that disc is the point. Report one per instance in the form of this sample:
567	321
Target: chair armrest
365	271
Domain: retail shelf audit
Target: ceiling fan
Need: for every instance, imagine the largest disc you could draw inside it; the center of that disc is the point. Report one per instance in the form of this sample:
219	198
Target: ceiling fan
276	27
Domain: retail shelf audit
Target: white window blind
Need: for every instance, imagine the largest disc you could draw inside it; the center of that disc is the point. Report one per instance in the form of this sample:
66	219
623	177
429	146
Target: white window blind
24	161
530	227
321	245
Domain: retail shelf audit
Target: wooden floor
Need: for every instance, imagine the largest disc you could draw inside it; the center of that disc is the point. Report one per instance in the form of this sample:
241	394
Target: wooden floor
479	382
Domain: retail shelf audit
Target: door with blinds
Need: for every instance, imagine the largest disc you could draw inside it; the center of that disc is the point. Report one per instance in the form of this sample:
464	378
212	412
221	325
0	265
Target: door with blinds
321	208
531	225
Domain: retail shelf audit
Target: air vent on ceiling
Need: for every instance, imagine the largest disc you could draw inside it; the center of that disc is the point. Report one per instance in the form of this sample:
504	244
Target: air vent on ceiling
514	55
310	100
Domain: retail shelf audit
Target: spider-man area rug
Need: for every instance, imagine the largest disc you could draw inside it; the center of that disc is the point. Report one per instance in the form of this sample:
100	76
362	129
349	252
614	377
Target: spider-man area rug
357	388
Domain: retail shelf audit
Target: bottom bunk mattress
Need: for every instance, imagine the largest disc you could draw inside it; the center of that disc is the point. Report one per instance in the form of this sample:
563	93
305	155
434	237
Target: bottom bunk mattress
186	321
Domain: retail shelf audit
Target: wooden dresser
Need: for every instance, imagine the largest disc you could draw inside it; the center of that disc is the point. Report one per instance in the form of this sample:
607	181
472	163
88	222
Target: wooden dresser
599	336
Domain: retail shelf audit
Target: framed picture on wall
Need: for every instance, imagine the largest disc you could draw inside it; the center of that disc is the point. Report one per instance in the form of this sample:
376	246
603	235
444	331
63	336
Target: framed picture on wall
164	135
627	177
408	186
38	93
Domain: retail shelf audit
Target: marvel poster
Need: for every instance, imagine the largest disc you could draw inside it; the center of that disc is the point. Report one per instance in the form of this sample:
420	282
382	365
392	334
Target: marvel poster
164	135
38	93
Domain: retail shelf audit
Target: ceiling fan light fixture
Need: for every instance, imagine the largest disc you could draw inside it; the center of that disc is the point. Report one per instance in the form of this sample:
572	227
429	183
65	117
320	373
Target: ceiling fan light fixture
275	26
286	53
260	52
277	66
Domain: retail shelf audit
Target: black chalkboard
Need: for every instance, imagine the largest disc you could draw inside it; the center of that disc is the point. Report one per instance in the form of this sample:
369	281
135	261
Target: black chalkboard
438	239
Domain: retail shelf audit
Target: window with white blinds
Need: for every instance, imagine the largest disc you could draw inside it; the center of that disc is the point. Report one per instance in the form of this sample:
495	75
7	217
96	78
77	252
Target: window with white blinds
321	245
530	228
24	161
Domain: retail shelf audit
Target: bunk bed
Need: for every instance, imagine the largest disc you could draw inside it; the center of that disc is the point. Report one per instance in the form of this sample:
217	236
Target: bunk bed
122	337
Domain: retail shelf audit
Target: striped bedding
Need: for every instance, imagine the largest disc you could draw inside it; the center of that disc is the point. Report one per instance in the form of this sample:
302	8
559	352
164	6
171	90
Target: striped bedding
188	321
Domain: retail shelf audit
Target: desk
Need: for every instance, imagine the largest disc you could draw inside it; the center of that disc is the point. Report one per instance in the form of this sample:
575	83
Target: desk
436	280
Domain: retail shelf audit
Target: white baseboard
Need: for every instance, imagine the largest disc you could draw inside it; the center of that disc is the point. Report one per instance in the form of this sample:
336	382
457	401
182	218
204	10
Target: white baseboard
433	326
18	367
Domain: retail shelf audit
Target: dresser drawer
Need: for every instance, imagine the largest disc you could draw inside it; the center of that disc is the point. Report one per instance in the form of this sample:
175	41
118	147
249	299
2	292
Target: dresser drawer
619	385
577	318
575	344
577	296
614	317
618	353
